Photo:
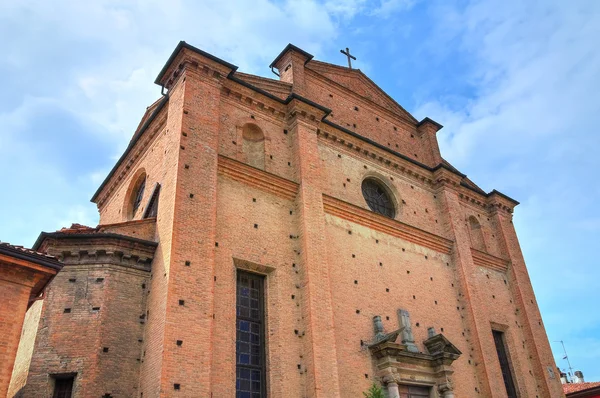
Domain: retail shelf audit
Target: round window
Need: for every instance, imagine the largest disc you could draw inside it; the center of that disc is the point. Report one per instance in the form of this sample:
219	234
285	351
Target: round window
378	197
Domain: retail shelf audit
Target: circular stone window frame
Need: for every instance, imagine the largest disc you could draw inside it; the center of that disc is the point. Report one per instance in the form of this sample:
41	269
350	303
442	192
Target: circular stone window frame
389	189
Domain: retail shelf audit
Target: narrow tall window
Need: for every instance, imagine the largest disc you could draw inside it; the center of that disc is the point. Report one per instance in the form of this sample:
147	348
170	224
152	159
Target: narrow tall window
504	364
139	194
250	347
63	386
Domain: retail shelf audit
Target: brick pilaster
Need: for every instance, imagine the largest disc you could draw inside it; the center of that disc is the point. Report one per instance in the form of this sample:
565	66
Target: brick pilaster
192	261
479	332
322	370
537	344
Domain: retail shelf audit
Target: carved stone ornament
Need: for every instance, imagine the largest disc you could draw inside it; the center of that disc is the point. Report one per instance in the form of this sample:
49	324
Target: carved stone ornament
396	364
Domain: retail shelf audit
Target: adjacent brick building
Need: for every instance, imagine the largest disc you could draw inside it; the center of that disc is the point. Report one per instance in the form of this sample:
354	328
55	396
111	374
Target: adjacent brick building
300	237
24	274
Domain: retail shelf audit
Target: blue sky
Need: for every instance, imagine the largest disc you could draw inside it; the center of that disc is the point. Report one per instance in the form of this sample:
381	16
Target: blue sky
515	83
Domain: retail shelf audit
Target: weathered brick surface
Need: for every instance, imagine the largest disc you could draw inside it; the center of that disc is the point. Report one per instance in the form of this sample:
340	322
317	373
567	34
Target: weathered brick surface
328	269
15	288
26	346
74	342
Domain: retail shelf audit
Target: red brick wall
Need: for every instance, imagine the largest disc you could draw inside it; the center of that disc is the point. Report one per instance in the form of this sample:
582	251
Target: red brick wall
314	330
390	130
107	306
15	288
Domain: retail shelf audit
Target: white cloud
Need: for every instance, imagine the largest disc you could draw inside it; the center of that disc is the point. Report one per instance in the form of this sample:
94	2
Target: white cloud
387	7
528	129
93	64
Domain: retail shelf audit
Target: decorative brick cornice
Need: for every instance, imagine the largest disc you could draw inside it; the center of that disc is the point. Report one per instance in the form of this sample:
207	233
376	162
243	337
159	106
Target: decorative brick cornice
386	225
248	99
302	109
351	144
98	248
486	260
445	178
186	55
257	178
500	201
106	257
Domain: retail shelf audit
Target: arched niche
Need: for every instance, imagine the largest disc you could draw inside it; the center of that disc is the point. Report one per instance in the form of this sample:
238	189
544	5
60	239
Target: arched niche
476	233
253	145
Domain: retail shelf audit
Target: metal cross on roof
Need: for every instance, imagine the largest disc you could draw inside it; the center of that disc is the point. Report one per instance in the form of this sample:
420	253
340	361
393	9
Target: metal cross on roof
347	54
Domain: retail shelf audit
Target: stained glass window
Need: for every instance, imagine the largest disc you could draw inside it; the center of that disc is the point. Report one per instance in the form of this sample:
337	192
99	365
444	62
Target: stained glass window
378	198
250	355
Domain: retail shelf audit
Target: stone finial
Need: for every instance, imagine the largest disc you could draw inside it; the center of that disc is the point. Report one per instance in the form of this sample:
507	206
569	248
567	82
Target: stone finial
380	335
407	335
378	328
430	332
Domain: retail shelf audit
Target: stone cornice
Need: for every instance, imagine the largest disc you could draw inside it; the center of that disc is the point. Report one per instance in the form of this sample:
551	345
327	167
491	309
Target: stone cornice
386	225
257	178
486	260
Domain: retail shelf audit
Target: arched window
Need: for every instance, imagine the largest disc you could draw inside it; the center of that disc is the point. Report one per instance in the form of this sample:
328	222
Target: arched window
254	145
139	194
135	194
378	197
477	241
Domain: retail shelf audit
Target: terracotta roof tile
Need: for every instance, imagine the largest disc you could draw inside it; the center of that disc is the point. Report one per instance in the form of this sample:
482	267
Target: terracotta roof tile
26	251
78	229
576	387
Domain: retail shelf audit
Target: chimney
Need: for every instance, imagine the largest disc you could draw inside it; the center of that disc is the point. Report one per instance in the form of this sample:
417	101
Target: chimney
290	64
578	377
563	378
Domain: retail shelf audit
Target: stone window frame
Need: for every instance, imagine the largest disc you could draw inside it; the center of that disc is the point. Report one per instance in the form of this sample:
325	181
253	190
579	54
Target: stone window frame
389	189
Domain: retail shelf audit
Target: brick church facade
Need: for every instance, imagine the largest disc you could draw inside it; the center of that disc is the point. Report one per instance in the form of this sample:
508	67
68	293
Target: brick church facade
300	237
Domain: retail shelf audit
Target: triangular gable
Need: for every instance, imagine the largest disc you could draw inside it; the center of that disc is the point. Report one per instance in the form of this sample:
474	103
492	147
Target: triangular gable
355	80
147	114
